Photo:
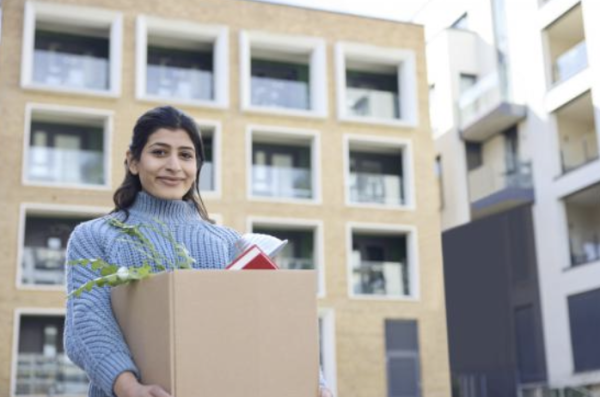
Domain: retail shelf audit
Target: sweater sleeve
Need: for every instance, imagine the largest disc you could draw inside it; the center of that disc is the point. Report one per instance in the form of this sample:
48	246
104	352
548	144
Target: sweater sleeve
93	339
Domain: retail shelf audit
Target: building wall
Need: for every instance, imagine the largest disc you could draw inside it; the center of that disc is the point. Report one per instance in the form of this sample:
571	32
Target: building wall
359	323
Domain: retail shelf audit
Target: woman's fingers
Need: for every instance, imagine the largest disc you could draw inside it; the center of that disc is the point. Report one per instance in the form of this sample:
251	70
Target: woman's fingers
157	391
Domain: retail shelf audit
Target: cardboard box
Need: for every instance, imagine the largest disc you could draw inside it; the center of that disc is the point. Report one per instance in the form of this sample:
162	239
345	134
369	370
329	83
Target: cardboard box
212	333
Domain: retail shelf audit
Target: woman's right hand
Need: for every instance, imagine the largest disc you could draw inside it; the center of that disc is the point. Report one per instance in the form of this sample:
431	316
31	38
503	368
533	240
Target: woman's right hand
127	385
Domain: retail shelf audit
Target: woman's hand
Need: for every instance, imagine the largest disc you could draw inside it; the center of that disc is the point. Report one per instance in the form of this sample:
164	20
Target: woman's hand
325	392
127	385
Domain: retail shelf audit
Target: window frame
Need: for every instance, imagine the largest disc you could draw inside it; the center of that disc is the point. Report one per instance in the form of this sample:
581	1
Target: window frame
405	63
47	209
283	43
408	186
410	233
312	136
329	367
316	226
216	127
209	33
72	15
106	116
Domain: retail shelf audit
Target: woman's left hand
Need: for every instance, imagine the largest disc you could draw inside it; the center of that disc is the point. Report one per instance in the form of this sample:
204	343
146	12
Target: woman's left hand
325	392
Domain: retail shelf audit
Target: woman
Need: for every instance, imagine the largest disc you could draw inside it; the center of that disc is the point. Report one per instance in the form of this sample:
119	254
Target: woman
161	183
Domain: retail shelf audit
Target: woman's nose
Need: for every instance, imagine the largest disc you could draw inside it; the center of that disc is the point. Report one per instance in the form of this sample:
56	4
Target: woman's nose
173	164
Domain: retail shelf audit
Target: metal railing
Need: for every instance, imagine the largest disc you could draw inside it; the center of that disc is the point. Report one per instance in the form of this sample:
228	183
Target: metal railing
372	103
570	63
486	180
55	375
380	278
70	70
376	188
180	83
43	265
48	164
286	182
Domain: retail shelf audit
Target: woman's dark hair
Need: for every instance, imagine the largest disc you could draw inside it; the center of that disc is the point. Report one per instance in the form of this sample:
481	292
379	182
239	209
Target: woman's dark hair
169	118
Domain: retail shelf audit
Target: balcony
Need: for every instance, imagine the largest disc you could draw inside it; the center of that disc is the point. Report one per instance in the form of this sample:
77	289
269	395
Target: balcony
71	70
281	182
579	151
372	103
274	92
180	83
68	166
583	218
484	110
492	190
43	265
380	278
55	375
376	188
570	63
207	177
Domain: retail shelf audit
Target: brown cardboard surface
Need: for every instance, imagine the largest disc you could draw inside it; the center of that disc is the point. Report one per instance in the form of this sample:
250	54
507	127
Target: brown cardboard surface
247	333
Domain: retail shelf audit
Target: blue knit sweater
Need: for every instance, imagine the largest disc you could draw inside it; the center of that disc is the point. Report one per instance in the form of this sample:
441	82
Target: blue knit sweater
93	339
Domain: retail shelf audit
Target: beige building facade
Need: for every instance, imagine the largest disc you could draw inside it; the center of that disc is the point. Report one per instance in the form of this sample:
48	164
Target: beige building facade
317	130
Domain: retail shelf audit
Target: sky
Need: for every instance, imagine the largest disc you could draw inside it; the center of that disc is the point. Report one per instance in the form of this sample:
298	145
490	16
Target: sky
398	10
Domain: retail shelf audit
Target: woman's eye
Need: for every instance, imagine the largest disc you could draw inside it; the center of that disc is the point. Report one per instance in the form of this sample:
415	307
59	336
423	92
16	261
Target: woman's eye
187	155
158	152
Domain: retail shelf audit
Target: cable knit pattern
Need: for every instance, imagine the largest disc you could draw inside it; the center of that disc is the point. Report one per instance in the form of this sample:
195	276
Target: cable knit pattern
93	339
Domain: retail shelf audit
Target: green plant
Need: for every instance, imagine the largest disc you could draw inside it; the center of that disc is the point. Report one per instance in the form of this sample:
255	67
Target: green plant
113	274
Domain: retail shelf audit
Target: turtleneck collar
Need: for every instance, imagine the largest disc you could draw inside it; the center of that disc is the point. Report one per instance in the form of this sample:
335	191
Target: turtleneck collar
167	211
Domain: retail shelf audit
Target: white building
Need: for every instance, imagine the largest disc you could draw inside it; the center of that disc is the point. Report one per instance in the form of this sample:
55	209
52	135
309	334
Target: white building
515	97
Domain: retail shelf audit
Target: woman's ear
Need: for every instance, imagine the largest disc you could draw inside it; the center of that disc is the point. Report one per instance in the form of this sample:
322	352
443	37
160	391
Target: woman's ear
130	163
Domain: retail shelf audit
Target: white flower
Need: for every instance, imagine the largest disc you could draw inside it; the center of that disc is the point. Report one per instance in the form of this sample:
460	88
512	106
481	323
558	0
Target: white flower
123	273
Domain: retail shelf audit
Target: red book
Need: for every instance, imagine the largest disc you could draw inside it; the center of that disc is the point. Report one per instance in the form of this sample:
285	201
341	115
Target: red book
251	259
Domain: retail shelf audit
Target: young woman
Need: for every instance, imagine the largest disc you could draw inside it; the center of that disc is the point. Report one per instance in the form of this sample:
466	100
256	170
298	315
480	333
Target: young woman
163	166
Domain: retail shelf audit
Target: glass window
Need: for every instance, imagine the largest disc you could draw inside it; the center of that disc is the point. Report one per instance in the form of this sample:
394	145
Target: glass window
402	356
372	94
584	318
466	81
207	175
583	218
376	177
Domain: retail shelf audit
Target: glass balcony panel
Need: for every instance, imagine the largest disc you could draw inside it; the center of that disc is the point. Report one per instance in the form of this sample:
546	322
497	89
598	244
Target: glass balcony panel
482	96
180	83
70	70
207	176
578	151
65	166
295	263
380	278
487	180
372	103
54	375
283	182
267	91
376	188
570	63
43	265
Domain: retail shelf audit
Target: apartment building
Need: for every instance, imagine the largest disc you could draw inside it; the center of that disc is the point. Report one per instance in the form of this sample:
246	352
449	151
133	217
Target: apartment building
514	91
317	130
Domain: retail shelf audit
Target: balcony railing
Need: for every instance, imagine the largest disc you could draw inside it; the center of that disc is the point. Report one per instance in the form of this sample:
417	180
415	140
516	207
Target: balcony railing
372	103
282	182
486	180
295	263
70	70
570	63
587	249
483	96
376	188
268	91
579	151
49	376
207	177
43	266
380	278
55	165
179	83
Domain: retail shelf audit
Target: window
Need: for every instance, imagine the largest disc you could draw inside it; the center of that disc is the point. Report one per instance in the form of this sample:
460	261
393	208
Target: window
182	61
67	147
72	49
210	175
439	173
304	248
402	357
327	357
462	22
376	84
378	172
283	74
583	219
282	165
466	81
42	367
381	262
474	155
45	231
584	318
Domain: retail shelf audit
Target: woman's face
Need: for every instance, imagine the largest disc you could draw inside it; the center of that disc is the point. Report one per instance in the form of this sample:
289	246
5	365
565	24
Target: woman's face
167	166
